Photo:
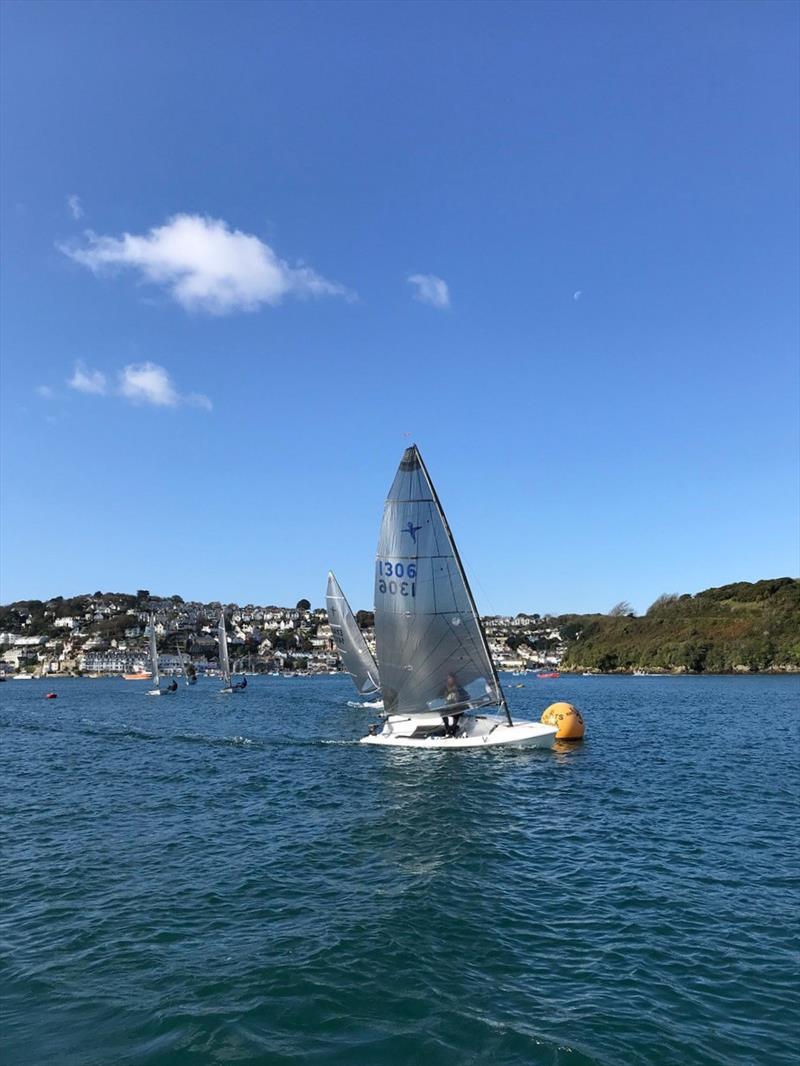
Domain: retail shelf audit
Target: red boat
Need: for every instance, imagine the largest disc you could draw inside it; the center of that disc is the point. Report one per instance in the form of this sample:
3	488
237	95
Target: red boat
548	676
51	696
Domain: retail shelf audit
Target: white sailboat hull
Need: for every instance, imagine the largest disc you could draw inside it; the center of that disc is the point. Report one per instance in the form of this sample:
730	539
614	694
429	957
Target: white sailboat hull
476	732
375	705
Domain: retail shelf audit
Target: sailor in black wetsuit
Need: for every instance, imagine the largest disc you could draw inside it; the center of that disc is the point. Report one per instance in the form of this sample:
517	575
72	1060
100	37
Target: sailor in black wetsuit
455	694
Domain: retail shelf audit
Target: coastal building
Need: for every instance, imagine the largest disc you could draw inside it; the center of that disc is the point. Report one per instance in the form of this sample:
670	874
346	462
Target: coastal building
113	662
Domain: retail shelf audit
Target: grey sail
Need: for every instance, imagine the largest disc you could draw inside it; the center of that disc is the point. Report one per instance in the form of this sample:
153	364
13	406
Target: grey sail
431	648
154	653
356	657
224	664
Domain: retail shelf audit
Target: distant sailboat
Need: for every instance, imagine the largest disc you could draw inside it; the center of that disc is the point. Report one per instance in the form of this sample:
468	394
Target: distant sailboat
356	657
158	690
435	666
224	662
188	671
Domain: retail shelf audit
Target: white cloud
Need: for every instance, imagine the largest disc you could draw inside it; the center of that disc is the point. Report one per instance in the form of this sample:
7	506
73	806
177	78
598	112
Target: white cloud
430	290
44	391
75	206
205	266
138	382
150	383
85	380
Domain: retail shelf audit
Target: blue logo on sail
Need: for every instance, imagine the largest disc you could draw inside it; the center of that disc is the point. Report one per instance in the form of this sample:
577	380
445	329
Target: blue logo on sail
412	529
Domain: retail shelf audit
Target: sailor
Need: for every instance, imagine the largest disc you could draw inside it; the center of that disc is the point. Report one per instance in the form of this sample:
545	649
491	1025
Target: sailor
453	694
172	686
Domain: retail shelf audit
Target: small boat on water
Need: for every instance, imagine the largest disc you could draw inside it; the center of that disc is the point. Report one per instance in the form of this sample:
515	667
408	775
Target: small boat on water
548	675
229	686
356	657
143	675
188	671
436	672
158	690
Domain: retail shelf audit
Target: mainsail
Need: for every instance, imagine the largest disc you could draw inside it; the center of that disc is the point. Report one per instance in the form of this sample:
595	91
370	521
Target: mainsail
182	661
432	651
224	664
154	653
353	651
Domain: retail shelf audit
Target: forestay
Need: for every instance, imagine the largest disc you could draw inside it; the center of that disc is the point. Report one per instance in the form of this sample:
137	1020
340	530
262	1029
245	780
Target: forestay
356	657
224	663
431	648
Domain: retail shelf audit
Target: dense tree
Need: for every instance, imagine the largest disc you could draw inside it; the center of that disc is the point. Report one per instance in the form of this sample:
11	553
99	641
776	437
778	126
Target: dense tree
745	626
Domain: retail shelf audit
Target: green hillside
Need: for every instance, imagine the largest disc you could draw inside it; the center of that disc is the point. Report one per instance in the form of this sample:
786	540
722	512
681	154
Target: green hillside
741	627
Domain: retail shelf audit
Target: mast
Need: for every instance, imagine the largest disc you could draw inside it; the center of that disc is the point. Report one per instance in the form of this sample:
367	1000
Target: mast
462	572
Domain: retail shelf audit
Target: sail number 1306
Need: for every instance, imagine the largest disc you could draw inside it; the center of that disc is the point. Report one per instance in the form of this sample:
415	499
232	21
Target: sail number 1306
398	579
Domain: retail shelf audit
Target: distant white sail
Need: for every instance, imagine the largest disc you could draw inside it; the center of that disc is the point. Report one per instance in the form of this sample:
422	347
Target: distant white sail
154	653
182	662
224	664
353	651
431	648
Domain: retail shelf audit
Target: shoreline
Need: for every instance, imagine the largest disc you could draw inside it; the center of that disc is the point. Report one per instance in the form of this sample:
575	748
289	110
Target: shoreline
789	671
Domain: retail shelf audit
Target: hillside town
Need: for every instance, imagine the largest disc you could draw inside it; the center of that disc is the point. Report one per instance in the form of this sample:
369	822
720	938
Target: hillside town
105	634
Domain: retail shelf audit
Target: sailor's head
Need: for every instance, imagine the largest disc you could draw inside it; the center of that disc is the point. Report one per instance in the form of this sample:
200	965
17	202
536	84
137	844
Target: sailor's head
451	680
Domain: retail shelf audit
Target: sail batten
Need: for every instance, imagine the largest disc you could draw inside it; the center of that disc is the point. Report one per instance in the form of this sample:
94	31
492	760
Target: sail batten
431	648
356	657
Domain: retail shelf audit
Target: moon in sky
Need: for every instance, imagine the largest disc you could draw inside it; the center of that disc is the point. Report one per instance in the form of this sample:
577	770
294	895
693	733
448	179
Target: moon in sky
577	294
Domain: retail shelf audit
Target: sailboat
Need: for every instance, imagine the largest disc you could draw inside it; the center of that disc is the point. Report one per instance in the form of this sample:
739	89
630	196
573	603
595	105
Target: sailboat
356	657
224	662
436	673
188	671
158	690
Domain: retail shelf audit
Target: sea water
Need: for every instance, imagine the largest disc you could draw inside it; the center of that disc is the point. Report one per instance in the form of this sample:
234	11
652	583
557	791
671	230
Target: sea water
234	879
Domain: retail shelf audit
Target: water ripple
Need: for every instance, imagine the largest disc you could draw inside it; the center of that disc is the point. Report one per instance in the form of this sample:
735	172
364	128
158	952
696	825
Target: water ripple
241	881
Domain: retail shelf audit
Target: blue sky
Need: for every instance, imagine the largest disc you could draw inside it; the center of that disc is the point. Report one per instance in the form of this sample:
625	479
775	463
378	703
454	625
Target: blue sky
597	353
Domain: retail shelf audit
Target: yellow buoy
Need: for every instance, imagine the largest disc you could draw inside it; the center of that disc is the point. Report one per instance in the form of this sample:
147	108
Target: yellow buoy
571	725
